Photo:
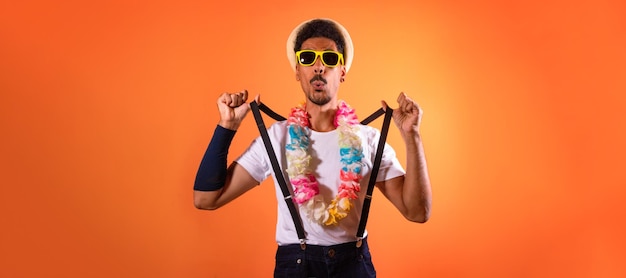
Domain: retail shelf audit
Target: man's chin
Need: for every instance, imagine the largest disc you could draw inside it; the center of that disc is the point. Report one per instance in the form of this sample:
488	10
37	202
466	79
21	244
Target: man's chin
320	100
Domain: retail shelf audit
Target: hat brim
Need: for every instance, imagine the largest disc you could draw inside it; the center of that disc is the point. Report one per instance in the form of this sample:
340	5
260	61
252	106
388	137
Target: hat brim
348	48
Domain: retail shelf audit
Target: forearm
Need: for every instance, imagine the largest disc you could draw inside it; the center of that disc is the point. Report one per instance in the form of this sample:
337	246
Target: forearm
212	173
416	189
238	181
216	185
206	199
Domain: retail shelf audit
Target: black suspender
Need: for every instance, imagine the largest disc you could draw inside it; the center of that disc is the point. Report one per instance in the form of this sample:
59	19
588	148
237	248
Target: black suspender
256	108
278	173
269	112
377	160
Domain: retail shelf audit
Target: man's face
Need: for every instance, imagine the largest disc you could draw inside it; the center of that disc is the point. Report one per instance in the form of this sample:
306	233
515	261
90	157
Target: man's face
319	82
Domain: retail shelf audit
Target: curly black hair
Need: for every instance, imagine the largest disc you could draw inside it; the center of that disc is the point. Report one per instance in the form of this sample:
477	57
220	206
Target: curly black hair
320	28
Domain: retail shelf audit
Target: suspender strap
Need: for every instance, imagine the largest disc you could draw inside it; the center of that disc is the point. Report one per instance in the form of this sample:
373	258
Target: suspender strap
278	174
373	117
270	112
256	108
377	160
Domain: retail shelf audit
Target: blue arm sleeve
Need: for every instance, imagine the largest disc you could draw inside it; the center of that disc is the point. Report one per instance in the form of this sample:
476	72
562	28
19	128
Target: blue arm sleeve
212	173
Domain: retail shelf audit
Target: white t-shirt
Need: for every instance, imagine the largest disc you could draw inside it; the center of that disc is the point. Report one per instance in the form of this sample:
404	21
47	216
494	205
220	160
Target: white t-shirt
325	164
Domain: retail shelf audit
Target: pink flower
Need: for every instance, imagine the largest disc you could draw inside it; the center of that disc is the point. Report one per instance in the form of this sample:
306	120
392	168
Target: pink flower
345	115
349	190
349	176
298	117
305	187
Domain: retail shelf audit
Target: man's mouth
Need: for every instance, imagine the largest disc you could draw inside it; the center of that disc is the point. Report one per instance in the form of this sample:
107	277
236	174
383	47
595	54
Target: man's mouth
318	85
318	82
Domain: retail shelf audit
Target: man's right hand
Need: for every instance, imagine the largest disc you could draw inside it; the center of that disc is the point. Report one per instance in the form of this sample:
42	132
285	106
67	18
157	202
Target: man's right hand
233	109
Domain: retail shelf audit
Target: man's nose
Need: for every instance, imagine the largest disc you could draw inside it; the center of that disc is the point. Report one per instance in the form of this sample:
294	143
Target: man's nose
318	67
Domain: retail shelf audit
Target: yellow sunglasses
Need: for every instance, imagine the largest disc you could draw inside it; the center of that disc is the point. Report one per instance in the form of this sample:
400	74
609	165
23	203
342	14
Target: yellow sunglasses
329	58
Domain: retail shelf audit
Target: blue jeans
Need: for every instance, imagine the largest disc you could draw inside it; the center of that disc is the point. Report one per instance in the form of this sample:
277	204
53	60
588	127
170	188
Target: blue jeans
342	260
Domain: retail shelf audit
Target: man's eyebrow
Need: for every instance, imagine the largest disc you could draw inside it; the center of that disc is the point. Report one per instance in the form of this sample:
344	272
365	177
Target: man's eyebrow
327	49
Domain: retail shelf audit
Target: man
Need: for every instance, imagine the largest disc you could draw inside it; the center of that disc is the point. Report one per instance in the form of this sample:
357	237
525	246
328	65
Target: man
326	157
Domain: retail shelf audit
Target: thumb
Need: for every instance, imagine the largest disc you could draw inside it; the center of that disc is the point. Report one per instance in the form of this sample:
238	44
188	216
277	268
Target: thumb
257	99
384	104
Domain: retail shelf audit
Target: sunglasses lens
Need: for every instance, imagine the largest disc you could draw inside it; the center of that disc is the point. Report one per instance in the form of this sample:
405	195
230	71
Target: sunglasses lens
307	57
330	58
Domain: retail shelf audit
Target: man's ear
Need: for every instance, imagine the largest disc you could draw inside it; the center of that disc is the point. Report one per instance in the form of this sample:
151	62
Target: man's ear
297	73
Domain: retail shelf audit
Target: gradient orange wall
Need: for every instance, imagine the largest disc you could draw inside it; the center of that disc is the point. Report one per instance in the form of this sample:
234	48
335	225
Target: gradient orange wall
106	109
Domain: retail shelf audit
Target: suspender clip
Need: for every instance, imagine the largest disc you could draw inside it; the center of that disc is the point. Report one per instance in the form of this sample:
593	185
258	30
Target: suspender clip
303	244
359	242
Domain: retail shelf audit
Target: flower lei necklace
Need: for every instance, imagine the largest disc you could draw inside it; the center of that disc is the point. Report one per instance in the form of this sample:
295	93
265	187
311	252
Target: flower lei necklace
306	187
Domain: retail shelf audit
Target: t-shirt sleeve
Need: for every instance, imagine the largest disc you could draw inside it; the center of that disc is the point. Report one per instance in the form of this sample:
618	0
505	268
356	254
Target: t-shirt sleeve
253	159
390	167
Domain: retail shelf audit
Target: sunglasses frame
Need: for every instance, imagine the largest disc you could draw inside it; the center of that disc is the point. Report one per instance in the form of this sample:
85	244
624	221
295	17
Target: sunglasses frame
320	55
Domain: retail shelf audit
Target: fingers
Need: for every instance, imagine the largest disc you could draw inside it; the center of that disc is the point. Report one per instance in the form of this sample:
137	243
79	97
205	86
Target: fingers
234	99
244	97
404	101
401	97
406	104
237	99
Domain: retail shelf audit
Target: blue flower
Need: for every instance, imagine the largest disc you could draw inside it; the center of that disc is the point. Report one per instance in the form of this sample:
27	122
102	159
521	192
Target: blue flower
297	138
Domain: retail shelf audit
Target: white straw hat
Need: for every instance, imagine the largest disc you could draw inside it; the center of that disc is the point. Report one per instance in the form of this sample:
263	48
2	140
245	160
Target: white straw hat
348	49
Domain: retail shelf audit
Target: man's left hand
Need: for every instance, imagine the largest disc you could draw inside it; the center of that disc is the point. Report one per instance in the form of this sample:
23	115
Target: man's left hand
407	116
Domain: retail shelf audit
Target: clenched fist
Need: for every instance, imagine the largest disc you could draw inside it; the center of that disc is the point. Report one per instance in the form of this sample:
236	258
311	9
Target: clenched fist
233	109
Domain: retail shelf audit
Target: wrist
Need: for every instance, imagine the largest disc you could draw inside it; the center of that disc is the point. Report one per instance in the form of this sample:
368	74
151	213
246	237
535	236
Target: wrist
412	132
229	125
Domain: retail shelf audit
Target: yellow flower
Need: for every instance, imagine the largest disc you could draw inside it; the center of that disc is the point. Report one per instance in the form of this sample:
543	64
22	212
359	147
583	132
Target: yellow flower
344	204
337	210
331	220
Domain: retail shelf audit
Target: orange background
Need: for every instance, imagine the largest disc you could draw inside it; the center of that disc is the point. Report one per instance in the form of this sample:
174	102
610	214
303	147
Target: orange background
107	107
